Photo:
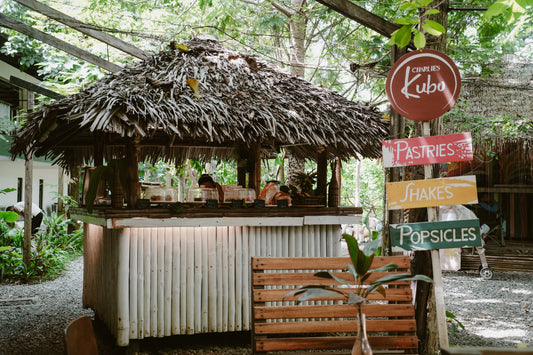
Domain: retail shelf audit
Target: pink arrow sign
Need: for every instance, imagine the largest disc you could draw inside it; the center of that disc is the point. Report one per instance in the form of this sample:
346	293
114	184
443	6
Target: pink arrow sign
427	150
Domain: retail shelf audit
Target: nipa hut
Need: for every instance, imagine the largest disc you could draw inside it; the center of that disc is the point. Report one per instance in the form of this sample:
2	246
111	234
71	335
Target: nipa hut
157	272
200	100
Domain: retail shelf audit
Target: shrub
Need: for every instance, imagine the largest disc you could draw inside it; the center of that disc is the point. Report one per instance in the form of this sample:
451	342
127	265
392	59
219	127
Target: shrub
51	248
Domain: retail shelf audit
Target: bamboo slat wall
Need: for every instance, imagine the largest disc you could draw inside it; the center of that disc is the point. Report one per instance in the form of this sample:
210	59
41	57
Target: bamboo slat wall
156	282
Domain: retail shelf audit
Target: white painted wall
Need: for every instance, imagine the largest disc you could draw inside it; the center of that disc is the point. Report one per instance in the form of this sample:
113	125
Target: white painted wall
10	171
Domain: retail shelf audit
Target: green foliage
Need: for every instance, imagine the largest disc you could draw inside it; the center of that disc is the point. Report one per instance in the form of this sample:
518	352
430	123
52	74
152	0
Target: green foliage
8	216
360	270
7	126
511	10
411	23
451	318
51	249
372	177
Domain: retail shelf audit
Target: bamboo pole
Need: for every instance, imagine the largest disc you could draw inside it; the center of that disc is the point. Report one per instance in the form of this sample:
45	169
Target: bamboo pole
212	277
205	280
122	291
160	281
134	284
168	243
140	284
176	273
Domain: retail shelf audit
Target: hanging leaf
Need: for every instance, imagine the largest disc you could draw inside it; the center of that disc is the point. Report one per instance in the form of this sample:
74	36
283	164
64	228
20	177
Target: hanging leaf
406	21
402	36
423	3
194	84
419	40
433	27
431	12
495	9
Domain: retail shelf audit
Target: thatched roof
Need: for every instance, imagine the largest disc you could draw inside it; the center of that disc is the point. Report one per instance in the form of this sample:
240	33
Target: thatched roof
498	110
241	100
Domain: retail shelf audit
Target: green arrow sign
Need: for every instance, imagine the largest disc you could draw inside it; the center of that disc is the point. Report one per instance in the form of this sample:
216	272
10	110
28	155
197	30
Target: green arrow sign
436	235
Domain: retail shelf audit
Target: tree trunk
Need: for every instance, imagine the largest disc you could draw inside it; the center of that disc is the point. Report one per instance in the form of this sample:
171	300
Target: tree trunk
28	194
297	29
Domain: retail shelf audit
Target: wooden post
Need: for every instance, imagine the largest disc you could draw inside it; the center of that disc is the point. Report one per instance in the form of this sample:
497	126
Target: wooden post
334	197
60	190
28	179
255	176
242	168
132	158
322	173
28	184
435	261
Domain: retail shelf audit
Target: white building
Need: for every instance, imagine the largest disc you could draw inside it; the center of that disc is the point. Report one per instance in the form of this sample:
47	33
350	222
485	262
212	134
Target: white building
46	176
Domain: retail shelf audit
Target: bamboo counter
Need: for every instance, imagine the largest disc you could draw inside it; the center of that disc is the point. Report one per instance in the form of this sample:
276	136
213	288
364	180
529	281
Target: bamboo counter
157	273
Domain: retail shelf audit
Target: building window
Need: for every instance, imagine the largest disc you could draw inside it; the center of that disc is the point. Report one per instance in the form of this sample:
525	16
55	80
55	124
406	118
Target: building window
20	188
41	193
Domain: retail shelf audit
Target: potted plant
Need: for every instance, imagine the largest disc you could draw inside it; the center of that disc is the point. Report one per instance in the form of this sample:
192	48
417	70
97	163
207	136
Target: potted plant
302	191
357	291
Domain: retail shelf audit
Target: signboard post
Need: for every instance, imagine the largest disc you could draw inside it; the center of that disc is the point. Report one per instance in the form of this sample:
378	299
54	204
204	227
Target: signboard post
456	190
436	235
423	85
427	150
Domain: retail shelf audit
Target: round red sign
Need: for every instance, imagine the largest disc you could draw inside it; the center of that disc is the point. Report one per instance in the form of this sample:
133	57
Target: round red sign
423	85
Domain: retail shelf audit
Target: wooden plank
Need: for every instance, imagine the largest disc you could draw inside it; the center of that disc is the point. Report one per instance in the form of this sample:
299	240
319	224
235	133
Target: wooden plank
330	263
338	326
427	150
18	26
280	325
311	343
484	351
199	212
456	190
309	278
436	235
334	311
35	88
273	295
85	28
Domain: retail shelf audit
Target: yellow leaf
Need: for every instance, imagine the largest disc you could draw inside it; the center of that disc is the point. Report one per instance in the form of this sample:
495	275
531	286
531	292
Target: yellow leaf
194	84
182	47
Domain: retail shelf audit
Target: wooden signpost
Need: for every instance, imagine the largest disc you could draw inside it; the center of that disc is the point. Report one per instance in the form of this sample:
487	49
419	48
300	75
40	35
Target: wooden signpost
427	150
456	190
436	235
423	85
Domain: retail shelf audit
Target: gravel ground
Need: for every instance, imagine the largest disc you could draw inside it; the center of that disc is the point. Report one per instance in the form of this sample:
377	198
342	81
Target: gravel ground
497	312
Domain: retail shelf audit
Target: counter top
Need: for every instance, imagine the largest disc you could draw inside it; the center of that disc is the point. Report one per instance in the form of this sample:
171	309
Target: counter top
202	216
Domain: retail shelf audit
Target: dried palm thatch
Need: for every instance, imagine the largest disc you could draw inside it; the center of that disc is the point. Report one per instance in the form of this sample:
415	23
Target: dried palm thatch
201	102
498	110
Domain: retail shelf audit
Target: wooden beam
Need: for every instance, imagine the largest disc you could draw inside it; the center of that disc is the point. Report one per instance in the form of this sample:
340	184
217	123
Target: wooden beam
18	26
322	174
364	17
85	28
35	88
